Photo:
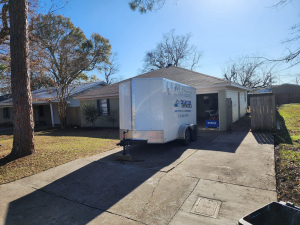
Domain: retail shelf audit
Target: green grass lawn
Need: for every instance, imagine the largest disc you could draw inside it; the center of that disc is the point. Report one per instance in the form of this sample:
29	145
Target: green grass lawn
288	153
53	148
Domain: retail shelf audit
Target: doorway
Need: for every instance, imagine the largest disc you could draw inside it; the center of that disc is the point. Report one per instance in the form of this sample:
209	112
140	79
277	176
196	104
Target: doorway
208	111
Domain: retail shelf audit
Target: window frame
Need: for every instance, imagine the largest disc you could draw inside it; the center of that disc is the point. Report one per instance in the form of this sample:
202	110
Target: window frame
41	110
6	113
103	104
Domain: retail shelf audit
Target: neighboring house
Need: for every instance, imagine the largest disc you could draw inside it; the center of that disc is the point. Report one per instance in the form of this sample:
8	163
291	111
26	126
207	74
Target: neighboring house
260	91
278	89
285	88
45	107
211	94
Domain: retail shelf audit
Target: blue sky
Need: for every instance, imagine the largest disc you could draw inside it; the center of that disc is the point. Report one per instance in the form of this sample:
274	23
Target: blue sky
221	29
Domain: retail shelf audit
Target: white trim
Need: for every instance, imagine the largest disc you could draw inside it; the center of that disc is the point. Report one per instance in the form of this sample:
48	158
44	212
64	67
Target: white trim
93	97
209	90
223	84
51	110
240	86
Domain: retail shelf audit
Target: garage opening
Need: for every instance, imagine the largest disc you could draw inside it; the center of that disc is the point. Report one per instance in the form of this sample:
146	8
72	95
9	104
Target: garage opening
208	111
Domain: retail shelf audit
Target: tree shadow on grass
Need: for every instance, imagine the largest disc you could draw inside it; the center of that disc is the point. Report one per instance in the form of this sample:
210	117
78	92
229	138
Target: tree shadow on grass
7	159
282	136
105	133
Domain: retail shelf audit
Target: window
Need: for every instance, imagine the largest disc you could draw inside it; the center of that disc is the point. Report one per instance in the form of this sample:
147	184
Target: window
41	110
206	100
103	107
6	113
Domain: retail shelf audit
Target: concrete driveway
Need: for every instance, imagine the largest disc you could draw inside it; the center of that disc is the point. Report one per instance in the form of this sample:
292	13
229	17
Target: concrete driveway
216	180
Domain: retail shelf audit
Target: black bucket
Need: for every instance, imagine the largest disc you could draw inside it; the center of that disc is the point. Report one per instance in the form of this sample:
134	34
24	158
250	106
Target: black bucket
275	213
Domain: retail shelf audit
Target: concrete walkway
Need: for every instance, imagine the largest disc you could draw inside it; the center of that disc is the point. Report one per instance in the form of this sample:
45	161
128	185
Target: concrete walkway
217	180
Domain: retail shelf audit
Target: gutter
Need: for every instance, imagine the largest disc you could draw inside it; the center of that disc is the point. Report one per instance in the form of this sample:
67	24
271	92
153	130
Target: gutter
92	97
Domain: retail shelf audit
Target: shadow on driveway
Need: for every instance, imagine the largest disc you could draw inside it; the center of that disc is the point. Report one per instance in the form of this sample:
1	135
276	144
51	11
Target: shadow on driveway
82	195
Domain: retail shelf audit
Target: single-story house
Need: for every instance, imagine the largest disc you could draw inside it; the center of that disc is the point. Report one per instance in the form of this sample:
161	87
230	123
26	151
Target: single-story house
45	106
278	89
211	95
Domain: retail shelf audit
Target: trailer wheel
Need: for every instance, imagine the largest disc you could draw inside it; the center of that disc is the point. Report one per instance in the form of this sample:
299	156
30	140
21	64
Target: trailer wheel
194	135
187	137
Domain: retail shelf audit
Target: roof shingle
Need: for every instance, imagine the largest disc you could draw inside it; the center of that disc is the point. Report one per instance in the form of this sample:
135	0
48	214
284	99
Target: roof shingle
177	74
48	94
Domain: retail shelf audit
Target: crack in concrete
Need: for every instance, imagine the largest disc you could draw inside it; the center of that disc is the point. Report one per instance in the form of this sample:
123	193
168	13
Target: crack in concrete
152	194
198	180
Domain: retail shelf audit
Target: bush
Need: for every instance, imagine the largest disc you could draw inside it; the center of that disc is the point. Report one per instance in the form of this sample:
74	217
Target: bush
7	124
90	113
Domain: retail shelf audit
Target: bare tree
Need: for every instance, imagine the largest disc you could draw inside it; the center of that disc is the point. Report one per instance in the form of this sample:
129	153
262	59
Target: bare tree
175	50
109	69
293	55
250	71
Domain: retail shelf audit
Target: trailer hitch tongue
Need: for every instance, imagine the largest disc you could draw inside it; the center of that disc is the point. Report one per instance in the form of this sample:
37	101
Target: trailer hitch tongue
124	146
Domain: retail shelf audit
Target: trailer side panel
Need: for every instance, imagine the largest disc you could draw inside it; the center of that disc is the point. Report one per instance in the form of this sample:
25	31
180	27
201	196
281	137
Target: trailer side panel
125	105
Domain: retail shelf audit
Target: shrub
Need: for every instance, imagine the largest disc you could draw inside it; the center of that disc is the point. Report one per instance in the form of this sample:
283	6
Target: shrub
90	113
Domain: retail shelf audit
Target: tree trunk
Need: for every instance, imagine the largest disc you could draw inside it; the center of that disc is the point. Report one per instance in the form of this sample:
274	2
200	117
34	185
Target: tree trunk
23	143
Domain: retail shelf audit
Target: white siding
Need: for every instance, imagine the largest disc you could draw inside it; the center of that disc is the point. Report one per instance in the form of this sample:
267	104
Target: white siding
222	110
55	114
243	102
73	102
233	94
235	107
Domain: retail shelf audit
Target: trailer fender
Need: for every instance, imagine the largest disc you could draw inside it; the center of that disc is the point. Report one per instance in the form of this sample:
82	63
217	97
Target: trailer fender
182	129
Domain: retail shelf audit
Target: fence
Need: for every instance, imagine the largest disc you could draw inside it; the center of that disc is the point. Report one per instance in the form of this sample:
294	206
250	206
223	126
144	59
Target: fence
263	113
249	96
73	116
287	98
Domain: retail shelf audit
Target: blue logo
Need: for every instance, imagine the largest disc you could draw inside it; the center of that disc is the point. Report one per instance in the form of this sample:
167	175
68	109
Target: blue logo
176	104
186	104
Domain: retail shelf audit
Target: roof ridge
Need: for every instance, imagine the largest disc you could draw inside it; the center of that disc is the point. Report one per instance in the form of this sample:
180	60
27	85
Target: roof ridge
198	73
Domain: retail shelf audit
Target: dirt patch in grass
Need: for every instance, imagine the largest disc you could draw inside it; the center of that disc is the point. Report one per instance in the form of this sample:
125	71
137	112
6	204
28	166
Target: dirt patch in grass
287	153
53	148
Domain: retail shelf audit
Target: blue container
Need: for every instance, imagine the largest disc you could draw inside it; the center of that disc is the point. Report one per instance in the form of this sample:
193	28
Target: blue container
212	123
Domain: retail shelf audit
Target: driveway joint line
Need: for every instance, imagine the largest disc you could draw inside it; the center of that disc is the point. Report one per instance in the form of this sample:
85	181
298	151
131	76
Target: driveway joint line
233	184
89	206
210	140
198	180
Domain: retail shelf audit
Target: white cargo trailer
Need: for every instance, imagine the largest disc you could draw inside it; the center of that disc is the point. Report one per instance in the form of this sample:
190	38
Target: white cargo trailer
156	110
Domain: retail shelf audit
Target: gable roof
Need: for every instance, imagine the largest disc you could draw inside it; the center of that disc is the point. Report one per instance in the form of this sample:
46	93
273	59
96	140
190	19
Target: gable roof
5	97
49	94
177	74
